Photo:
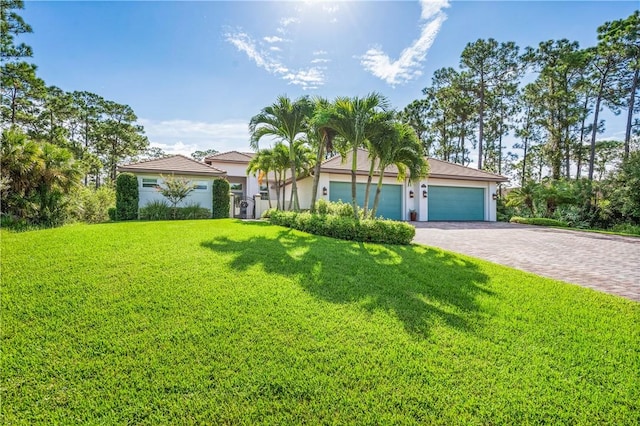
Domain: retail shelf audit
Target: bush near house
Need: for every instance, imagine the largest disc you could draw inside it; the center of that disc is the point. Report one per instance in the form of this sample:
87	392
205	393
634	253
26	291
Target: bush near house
335	220
220	199
161	210
126	197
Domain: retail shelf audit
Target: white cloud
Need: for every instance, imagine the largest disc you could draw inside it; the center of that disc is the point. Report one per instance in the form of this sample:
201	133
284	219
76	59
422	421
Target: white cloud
273	39
275	49
309	78
186	136
320	61
319	52
285	22
331	9
407	66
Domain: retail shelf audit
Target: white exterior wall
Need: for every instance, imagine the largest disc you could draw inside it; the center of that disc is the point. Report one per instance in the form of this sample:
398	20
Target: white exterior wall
240	170
200	196
490	188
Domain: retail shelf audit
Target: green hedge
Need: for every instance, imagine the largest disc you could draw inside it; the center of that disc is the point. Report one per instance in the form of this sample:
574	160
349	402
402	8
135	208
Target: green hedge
126	197
345	228
220	199
541	221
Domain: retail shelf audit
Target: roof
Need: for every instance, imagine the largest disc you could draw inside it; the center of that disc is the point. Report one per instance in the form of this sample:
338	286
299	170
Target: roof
437	168
445	170
230	157
178	164
337	164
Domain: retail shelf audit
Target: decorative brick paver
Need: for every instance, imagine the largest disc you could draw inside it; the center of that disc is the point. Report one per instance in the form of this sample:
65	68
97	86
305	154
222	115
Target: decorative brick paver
608	263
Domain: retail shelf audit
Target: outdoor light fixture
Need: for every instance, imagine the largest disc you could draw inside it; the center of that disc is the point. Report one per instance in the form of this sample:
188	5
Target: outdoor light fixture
411	194
424	194
494	196
423	186
324	190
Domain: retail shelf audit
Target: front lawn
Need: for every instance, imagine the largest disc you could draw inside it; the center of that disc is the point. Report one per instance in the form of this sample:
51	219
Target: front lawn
223	322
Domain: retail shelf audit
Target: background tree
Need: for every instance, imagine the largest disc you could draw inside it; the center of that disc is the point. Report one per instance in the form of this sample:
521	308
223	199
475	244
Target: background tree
201	155
488	64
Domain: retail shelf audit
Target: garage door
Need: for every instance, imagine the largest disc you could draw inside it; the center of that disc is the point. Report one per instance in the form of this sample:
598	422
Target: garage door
389	206
455	203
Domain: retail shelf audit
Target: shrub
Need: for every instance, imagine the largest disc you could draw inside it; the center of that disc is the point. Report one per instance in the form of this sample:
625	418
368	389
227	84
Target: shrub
112	213
220	198
267	213
161	210
155	210
626	228
93	205
346	228
541	221
126	197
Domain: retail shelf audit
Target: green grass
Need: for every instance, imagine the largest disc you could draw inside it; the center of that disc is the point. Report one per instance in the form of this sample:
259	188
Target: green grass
223	322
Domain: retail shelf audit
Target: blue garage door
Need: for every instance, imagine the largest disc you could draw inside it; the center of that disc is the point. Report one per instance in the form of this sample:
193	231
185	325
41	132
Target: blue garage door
455	203
389	206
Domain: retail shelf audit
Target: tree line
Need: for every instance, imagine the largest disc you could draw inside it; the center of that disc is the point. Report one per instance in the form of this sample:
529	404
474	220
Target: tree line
53	140
555	117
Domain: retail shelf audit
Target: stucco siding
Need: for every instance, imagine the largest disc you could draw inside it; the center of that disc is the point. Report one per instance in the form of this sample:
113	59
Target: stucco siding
200	196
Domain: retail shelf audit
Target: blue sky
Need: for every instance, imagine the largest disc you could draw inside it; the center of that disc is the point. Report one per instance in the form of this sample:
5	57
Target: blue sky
195	72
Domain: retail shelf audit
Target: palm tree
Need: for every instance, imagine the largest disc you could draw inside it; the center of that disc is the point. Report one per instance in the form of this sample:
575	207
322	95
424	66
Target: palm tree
375	144
261	164
352	120
58	174
320	136
286	121
19	162
400	146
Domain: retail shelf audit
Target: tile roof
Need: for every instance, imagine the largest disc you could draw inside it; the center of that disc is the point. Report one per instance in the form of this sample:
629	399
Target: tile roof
437	168
230	156
446	170
178	164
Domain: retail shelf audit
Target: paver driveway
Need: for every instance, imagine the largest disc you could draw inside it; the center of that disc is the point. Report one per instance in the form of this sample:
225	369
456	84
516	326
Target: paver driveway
603	262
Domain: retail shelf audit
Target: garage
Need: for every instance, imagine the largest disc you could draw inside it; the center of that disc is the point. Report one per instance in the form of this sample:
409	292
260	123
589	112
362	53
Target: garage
453	203
389	206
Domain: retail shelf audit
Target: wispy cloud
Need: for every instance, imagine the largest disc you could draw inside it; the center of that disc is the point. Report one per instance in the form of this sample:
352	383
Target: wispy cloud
273	39
407	66
307	78
275	49
319	52
285	22
186	136
320	61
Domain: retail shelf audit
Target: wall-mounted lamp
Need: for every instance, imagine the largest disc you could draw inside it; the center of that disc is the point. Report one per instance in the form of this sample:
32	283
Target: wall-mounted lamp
494	196
423	186
324	190
411	194
424	194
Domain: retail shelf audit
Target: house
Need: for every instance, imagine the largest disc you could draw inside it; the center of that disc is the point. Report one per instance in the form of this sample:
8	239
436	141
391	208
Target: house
150	172
451	192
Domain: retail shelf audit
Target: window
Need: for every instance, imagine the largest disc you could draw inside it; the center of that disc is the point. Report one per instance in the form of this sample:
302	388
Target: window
235	186
200	186
264	192
149	183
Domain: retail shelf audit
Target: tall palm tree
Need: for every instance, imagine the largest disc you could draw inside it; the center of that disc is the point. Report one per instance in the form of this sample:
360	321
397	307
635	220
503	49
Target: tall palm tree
320	136
399	146
375	143
352	119
286	121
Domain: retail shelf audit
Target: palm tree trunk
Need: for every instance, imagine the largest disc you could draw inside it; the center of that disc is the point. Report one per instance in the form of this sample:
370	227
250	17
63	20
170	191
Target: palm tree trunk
294	185
268	188
367	188
376	199
354	167
316	175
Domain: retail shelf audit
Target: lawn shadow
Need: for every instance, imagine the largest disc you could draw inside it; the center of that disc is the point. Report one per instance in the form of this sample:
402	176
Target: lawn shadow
418	285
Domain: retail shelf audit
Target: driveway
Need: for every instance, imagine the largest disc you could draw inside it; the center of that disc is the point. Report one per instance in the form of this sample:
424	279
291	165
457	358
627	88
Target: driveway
608	263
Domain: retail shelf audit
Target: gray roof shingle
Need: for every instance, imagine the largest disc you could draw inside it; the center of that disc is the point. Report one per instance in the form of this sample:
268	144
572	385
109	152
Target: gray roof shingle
178	164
